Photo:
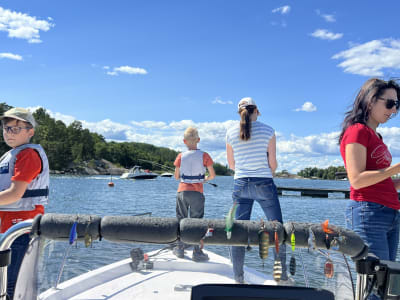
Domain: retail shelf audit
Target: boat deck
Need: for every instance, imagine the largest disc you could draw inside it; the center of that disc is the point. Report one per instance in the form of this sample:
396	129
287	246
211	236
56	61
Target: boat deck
170	278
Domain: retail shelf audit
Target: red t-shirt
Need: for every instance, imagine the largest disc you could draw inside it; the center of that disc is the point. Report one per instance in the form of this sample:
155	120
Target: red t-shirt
378	157
197	187
27	166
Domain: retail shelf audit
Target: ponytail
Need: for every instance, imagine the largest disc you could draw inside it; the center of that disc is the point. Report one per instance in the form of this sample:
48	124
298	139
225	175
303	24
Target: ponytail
245	122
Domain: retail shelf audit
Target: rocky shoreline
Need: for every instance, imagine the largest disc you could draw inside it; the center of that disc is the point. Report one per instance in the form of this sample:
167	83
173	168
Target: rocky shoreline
93	167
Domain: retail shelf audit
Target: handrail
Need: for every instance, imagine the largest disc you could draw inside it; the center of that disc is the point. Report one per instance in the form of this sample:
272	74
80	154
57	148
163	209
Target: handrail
6	241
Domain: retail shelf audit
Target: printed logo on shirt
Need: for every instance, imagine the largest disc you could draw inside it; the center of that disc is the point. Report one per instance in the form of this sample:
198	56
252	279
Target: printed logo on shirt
4	168
382	155
15	221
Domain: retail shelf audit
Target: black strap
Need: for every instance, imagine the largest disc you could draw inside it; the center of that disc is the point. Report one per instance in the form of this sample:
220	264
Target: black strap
36	193
192	177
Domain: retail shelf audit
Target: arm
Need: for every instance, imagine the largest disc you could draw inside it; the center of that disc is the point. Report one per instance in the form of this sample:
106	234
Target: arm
211	173
273	164
13	193
396	183
177	175
356	160
229	157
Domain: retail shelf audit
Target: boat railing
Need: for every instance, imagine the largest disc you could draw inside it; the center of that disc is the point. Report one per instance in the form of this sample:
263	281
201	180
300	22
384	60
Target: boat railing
6	241
156	230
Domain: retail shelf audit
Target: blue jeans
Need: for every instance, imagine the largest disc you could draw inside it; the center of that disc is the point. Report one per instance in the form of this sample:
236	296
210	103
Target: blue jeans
245	192
377	225
18	249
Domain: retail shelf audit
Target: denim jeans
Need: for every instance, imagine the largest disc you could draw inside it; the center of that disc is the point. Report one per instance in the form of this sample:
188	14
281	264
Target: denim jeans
245	192
18	249
377	225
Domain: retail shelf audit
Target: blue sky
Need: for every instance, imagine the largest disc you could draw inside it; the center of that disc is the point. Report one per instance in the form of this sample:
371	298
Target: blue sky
145	70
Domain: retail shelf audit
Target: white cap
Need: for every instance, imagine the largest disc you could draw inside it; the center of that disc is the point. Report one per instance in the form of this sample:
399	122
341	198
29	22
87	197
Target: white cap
21	114
246	102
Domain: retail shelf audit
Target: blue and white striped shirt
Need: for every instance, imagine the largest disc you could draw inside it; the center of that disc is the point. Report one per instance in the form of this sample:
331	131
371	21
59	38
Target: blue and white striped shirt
251	156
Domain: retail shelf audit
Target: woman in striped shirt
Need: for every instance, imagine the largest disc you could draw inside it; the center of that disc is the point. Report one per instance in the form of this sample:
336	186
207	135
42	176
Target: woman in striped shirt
251	153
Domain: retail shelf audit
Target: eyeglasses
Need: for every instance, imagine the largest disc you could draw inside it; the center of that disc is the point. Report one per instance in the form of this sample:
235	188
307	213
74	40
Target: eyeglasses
390	103
14	129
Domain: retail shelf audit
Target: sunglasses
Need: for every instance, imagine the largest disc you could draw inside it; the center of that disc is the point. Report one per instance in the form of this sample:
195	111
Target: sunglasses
14	129
390	103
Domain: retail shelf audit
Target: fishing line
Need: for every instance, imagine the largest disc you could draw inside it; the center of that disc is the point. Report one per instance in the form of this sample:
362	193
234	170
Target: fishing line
351	277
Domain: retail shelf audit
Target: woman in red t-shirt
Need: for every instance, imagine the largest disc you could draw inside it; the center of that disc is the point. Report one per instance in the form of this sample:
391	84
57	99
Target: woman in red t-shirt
372	211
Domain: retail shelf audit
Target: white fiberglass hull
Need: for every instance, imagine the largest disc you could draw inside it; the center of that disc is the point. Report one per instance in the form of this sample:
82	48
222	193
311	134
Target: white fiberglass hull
170	278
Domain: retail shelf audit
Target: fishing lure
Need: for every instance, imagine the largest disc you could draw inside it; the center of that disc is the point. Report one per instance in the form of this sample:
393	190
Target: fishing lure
311	240
230	218
325	227
276	239
88	240
277	271
88	237
293	241
292	265
263	243
73	235
328	269
327	230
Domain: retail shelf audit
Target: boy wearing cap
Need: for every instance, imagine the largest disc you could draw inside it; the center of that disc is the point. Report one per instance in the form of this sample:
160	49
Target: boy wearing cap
24	182
190	168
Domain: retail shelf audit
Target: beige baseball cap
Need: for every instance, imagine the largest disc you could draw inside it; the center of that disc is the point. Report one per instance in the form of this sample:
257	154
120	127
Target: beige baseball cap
21	114
246	102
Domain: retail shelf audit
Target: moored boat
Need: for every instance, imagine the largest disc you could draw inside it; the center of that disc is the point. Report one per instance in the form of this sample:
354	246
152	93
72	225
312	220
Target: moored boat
166	174
138	173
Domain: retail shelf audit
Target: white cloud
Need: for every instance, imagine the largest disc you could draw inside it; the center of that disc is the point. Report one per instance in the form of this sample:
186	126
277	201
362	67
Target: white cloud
326	17
369	59
307	106
324	34
11	56
218	100
126	70
22	26
282	10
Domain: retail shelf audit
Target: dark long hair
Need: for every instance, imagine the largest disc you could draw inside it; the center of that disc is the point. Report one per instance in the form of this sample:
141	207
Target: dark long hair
368	94
245	122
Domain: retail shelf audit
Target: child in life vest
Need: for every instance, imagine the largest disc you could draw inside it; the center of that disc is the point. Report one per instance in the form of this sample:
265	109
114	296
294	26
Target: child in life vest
190	169
24	182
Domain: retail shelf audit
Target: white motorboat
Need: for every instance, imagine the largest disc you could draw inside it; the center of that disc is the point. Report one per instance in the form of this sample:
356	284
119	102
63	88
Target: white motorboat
166	174
138	173
160	275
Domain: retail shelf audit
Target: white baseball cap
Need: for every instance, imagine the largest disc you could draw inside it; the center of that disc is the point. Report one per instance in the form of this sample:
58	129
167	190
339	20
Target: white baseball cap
246	102
21	114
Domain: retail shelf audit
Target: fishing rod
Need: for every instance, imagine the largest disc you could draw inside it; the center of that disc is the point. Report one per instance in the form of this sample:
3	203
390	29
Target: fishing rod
169	169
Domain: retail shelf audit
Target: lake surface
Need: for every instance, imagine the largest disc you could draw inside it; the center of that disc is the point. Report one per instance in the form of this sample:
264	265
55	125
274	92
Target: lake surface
91	195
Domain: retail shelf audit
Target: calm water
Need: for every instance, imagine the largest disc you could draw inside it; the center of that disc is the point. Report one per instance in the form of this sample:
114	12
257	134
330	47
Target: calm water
91	195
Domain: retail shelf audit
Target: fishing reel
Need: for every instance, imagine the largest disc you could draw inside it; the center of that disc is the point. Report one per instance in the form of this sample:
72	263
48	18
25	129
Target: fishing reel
384	276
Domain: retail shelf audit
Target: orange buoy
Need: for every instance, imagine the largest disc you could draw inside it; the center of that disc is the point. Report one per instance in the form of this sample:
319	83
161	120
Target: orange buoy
111	184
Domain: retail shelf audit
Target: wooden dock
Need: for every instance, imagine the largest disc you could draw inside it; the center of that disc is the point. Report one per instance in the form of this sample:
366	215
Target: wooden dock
313	192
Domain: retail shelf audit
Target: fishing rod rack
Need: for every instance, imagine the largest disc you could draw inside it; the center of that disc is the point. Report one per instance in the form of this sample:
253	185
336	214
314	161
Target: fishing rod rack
383	275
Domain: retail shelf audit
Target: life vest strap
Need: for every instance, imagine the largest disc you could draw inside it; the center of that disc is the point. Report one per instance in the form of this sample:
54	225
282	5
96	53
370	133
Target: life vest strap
36	193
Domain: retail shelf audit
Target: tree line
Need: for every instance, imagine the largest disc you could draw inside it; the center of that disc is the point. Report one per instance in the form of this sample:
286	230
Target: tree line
328	173
65	145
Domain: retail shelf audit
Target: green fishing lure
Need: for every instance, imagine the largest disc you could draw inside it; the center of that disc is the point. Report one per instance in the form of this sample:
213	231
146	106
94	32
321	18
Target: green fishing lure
230	218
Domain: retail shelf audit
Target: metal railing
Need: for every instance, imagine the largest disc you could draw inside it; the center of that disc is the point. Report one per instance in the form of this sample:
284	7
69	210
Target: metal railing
6	241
